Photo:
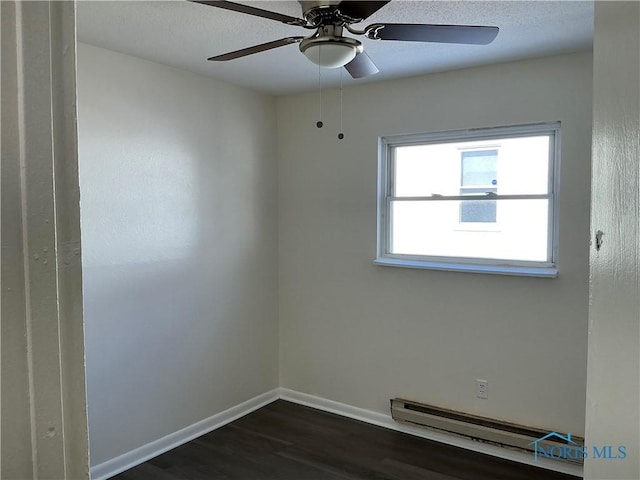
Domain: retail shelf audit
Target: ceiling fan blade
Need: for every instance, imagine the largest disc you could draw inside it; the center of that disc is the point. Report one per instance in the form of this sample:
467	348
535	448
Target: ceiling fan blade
258	12
361	66
360	9
256	49
469	34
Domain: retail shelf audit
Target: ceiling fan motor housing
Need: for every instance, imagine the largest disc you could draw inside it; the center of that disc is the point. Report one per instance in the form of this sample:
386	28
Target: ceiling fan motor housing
318	13
309	5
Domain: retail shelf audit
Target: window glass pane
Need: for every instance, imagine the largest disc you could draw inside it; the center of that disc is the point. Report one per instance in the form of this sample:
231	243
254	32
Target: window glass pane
433	228
483	211
425	170
479	168
523	166
478	211
520	166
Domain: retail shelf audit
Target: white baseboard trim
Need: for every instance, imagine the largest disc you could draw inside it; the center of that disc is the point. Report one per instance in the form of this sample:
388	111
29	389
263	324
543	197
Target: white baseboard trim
383	420
146	452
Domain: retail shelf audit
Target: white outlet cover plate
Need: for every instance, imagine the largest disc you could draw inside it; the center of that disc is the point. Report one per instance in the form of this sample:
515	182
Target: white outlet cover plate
482	388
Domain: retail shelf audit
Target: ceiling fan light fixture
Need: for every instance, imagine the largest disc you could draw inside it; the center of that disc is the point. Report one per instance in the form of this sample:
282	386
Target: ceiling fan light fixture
330	56
330	52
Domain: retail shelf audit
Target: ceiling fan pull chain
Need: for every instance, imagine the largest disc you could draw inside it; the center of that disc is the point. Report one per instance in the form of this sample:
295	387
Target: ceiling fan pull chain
340	134
319	122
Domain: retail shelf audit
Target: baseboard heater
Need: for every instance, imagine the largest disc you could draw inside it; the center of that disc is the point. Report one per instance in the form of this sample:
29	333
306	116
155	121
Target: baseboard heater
483	429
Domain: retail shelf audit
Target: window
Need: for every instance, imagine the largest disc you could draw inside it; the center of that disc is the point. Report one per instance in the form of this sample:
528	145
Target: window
479	175
479	200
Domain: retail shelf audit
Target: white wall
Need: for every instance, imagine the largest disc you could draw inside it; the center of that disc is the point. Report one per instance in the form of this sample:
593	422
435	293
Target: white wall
178	203
613	387
361	334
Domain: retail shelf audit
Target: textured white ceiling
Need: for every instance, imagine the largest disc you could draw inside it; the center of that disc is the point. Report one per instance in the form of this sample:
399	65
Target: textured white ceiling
184	34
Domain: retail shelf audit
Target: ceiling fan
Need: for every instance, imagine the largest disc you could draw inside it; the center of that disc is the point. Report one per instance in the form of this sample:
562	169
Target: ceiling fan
328	47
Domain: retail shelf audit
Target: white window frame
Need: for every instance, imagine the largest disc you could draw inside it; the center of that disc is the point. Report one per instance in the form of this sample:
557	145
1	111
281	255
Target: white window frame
386	146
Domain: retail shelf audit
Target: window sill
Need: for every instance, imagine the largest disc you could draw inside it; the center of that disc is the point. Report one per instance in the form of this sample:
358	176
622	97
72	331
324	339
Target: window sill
477	230
545	272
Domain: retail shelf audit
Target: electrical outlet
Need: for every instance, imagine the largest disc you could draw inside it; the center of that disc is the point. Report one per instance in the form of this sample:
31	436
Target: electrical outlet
482	388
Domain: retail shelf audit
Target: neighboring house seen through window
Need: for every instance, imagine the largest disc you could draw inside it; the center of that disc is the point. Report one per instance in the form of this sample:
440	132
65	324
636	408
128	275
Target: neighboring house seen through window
479	176
474	200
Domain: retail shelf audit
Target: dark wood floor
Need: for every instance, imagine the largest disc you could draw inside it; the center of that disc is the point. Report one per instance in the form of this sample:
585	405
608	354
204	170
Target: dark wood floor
285	441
